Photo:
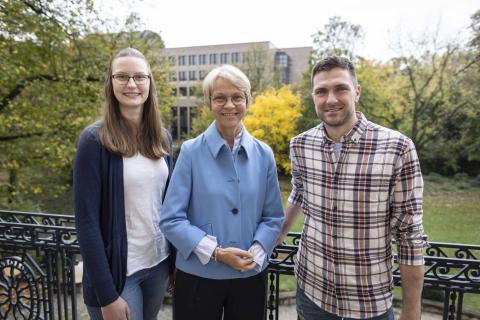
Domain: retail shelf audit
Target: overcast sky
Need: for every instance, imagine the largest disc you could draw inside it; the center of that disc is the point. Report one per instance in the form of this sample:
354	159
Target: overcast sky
291	23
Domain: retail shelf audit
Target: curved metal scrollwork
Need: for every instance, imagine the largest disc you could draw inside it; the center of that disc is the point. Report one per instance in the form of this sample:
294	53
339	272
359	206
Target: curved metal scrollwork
39	283
451	267
435	252
473	274
464	253
19	290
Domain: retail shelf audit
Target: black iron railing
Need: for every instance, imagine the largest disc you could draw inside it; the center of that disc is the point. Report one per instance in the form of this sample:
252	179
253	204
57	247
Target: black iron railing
38	254
451	268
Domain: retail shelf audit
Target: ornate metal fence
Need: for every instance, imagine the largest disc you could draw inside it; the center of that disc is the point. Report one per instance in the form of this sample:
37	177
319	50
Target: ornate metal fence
38	253
451	268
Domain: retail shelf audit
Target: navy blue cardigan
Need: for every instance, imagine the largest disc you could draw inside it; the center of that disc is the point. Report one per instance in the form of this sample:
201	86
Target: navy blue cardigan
100	217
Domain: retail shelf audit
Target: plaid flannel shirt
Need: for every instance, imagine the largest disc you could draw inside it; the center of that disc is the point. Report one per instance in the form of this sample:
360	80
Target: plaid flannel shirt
353	206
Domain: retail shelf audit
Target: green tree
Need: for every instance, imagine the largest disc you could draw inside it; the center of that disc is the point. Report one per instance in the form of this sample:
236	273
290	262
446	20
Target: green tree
475	26
53	66
258	66
432	91
202	120
338	37
380	99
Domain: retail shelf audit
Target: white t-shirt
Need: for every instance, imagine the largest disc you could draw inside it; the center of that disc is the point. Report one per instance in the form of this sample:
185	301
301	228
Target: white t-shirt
144	182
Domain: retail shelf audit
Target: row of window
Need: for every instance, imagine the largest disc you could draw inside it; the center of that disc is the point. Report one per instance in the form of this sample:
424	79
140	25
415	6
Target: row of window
201	59
191	75
184	91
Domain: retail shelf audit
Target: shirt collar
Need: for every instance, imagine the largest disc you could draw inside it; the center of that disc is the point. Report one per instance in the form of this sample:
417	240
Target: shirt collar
216	142
353	135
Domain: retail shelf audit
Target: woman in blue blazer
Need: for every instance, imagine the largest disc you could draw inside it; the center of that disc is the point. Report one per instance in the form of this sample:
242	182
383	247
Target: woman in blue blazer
223	210
120	174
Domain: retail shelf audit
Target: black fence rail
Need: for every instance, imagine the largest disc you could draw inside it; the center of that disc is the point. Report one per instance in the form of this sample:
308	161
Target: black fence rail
38	254
451	268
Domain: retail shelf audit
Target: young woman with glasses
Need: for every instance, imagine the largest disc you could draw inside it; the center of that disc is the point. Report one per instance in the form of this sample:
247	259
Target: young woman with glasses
223	210
121	171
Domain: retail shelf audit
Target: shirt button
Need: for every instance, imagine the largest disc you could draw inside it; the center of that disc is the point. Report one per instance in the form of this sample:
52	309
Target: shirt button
234	210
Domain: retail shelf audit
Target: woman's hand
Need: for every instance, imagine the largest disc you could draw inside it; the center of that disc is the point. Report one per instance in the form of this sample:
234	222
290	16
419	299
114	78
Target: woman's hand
117	310
238	259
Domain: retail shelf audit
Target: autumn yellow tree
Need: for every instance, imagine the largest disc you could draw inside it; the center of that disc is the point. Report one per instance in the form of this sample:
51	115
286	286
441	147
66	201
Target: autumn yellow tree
272	118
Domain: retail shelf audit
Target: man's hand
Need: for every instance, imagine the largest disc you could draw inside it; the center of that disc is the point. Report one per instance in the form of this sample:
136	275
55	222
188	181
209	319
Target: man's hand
117	310
238	259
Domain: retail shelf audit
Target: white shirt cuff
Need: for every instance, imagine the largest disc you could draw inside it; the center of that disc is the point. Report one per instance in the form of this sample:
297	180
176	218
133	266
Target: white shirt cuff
205	248
259	255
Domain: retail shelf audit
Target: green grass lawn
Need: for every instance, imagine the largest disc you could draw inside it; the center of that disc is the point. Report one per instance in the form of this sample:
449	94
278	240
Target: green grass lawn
451	214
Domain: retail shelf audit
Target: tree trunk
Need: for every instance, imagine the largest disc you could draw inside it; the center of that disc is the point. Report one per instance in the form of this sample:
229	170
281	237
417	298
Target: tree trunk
12	185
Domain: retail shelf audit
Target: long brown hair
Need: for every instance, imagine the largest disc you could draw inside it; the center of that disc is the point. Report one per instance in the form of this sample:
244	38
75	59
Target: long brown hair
119	135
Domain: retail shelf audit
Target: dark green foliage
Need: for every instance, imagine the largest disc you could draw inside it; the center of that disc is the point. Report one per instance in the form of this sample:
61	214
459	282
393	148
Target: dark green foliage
52	69
431	95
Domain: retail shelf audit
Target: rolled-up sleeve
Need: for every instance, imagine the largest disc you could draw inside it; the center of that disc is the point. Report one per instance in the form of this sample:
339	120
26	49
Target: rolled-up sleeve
406	208
296	195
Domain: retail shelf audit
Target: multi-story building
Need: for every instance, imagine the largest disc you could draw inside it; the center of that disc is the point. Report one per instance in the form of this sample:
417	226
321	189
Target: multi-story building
190	65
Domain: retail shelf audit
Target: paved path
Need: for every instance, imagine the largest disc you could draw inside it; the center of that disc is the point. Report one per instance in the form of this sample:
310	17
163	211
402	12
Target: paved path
286	312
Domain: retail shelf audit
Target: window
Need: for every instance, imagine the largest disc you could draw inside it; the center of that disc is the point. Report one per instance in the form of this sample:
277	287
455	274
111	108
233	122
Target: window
192	75
171	59
224	58
281	59
183	91
235	57
281	67
192	60
213	58
192	91
182	76
174	91
181	60
202	74
202	59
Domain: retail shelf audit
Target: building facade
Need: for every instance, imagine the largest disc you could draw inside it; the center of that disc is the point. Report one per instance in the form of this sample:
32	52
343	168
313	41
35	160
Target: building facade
190	65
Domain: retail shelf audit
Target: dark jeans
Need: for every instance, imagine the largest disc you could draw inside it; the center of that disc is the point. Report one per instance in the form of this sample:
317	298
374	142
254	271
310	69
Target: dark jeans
308	310
207	299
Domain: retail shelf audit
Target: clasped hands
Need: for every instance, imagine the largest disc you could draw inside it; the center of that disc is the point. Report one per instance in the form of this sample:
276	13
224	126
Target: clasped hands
236	258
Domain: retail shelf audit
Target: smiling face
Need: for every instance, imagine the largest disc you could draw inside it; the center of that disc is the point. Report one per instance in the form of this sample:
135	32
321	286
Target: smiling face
130	95
229	115
334	95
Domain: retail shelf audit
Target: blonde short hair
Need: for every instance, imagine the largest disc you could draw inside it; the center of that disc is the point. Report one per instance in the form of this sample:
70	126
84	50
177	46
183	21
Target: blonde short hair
231	74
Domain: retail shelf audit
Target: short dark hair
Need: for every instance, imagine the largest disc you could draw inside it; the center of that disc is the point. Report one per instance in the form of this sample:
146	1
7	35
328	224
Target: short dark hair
332	62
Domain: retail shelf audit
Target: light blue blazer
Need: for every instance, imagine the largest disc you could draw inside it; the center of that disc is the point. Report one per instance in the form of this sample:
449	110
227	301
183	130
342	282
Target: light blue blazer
238	202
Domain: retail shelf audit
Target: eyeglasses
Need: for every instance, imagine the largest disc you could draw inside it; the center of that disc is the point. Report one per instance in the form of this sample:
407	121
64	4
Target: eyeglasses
124	78
222	100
